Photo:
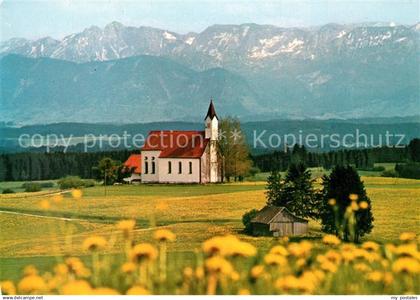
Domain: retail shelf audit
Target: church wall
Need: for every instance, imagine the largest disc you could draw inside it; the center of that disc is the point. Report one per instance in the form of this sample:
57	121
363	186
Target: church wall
150	157
175	176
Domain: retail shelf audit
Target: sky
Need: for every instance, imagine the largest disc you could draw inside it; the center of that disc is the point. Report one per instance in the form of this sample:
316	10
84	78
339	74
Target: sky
36	19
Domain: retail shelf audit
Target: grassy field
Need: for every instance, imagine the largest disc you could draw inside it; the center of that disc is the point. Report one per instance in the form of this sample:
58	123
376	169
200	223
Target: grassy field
194	213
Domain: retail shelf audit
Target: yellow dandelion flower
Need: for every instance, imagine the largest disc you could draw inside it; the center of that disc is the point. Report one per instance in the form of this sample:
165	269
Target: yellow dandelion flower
319	274
54	283
391	248
332	202
217	264
275	260
289	282
104	291
328	266
279	250
94	243
57	198
347	247
215	245
363	205
199	273
348	256
372	257
407	236
143	251
75	265
164	235
257	271
407	250
354	206
30	270
128	267
244	292
300	249
188	272
333	256
385	263
361	267
244	249
76	287
235	276
370	246
137	290
32	284
76	194
360	253
44	204
61	269
374	276
300	263
7	287
388	278
331	240
406	265
126	226
162	206
308	282
228	245
353	197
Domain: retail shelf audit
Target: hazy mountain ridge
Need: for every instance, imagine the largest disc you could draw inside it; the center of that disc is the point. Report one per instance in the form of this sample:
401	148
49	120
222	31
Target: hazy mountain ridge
135	89
331	71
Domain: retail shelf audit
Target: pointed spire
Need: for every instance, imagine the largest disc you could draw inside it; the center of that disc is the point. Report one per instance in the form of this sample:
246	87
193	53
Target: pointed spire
211	112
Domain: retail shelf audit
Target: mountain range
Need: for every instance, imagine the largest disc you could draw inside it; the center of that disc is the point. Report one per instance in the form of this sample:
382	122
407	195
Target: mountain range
140	74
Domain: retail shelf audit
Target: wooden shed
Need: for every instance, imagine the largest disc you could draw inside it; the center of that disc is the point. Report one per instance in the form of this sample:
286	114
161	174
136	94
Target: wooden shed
278	221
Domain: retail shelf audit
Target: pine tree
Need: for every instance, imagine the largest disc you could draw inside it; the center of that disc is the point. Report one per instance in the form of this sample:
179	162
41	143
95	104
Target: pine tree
297	193
338	214
273	189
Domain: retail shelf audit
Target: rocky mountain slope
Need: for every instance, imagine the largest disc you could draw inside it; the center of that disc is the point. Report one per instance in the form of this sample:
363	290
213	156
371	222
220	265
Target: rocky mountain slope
343	71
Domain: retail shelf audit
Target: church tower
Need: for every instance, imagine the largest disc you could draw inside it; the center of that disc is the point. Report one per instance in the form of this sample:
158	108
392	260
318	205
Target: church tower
211	122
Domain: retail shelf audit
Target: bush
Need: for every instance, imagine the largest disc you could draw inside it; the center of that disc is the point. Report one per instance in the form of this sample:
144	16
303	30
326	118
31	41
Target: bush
410	170
45	184
373	169
74	182
31	187
8	191
88	182
246	220
389	173
254	171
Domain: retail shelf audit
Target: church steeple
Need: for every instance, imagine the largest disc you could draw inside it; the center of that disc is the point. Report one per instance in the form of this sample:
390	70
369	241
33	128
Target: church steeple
211	113
211	122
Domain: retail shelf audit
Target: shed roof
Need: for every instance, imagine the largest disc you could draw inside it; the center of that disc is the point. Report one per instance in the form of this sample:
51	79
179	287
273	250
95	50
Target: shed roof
134	162
268	214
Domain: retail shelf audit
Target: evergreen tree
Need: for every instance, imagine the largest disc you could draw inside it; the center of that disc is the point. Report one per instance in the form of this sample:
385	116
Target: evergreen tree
273	189
414	150
345	208
297	193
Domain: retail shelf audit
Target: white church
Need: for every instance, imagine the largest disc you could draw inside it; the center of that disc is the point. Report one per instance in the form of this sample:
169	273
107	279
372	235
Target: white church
171	156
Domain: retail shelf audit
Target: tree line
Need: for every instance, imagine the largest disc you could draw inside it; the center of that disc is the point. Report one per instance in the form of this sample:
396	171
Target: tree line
359	158
45	166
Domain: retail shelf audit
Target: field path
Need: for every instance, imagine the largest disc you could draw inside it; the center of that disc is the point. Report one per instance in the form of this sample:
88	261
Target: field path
41	216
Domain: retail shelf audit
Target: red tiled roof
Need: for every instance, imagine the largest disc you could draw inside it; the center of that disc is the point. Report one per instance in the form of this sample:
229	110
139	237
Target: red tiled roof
134	161
173	143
